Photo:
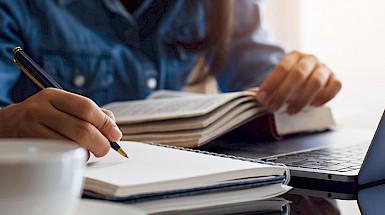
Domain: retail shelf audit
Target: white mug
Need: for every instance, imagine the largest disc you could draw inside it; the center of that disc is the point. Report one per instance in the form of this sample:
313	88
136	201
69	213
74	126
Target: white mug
40	177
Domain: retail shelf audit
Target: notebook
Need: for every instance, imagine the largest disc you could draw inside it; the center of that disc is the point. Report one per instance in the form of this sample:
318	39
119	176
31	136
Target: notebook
222	204
155	171
338	171
232	202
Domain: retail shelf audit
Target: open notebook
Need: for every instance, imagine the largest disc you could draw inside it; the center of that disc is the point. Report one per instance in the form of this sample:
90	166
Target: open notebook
155	171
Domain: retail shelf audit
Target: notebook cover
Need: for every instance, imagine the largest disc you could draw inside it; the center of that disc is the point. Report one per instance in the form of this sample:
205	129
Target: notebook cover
186	192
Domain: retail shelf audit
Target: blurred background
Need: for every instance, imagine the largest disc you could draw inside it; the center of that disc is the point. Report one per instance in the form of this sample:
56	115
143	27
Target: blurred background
349	37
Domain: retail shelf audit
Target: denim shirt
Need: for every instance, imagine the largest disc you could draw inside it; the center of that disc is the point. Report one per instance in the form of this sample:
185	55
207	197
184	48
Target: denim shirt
98	49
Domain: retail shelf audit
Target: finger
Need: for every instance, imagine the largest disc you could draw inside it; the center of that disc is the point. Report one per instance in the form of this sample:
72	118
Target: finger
296	78
277	76
333	86
80	131
85	109
108	113
39	131
254	90
313	86
295	94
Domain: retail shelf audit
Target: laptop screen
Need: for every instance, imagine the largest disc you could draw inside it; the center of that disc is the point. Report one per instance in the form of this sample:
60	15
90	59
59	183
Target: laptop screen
373	167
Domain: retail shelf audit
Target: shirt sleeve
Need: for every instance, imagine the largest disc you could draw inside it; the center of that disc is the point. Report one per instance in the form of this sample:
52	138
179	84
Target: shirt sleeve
10	37
251	56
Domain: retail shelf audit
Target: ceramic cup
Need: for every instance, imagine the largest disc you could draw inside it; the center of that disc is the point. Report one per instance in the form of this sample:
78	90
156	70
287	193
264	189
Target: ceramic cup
40	177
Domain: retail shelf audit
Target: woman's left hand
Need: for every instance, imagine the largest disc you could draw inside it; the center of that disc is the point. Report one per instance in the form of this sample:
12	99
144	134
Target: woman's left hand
298	79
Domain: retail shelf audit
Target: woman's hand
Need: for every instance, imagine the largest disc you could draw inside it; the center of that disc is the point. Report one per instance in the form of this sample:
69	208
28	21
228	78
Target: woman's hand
57	114
299	79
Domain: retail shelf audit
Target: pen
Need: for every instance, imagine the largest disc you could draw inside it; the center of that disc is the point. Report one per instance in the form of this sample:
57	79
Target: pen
43	80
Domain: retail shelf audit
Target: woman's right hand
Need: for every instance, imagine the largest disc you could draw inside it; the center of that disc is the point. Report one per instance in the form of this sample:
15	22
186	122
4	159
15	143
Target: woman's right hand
57	114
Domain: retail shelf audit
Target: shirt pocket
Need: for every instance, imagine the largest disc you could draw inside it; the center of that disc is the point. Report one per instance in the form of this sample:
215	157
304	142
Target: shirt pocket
83	72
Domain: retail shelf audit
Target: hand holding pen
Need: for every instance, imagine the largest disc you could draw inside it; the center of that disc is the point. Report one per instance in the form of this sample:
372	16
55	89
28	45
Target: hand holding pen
57	114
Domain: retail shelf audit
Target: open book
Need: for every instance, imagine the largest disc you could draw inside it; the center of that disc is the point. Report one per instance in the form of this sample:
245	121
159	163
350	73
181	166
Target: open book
191	120
155	171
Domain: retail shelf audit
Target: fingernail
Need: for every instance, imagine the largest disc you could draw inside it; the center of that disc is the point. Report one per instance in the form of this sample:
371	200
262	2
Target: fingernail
273	107
261	96
116	134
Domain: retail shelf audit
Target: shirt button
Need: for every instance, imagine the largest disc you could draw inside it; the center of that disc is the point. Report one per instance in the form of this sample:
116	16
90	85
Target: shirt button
79	80
151	83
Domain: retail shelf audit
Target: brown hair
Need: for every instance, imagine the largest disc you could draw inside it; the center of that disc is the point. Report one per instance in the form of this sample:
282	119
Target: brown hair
220	32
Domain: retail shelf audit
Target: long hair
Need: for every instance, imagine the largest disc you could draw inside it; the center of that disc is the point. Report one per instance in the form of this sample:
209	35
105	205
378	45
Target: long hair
220	32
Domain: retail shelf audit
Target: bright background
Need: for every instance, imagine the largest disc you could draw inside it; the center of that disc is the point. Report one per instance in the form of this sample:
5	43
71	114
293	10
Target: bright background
349	37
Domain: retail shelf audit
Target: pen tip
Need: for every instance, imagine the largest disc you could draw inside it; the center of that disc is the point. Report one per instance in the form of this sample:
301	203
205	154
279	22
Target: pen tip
122	152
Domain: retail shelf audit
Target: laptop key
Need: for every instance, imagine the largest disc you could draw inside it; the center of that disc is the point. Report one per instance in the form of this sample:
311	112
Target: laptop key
299	163
325	158
328	163
287	160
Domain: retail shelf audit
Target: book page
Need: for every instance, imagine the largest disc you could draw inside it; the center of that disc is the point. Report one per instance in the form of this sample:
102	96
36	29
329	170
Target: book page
309	119
202	135
184	123
160	94
153	168
169	108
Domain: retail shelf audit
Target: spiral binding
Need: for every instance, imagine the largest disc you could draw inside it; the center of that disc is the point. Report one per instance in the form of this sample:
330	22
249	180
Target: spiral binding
287	171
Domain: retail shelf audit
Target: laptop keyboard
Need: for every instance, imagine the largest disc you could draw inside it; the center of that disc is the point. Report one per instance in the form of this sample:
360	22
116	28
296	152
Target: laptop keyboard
342	159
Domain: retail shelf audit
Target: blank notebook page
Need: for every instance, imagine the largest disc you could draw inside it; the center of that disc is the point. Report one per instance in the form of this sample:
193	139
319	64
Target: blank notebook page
153	164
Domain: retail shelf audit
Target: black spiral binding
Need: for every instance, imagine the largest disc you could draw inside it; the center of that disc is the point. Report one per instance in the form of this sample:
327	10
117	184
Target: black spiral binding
287	171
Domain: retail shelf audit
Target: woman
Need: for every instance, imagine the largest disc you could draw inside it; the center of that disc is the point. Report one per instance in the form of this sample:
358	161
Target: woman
109	50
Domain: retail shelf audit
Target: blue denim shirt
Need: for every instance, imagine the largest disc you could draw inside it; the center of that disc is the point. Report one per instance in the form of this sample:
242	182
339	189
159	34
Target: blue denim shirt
97	49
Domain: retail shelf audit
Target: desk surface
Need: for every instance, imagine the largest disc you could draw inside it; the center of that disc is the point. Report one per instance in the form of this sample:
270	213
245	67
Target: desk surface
312	205
369	201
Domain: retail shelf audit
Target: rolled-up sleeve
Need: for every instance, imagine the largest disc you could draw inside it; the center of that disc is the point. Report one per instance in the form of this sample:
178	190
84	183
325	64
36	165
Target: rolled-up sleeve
251	55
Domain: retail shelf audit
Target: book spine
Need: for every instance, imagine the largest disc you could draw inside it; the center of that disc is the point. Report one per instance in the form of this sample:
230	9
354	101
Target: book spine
287	171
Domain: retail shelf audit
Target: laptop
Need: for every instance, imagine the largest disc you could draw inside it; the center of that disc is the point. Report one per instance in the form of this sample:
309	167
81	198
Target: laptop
371	200
333	164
